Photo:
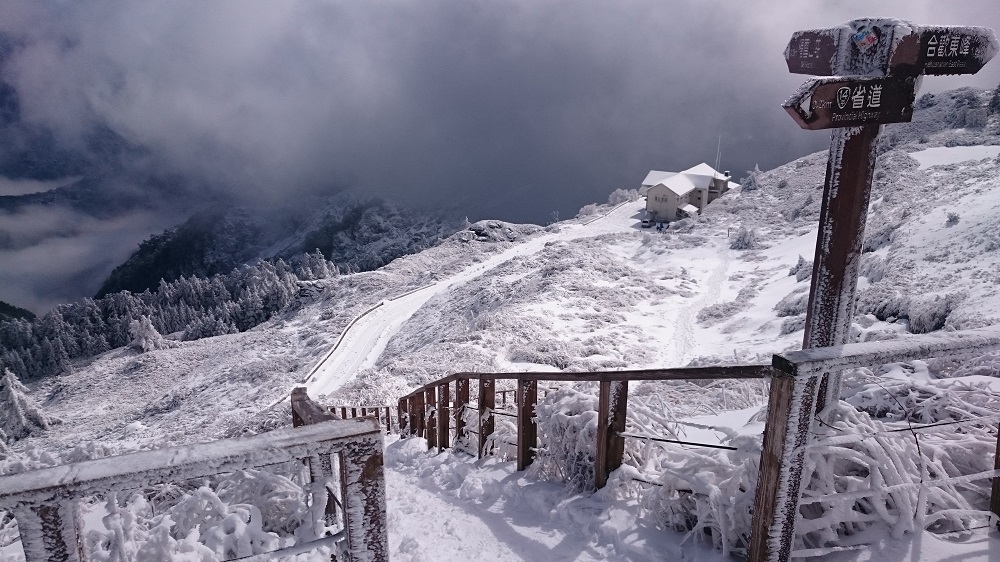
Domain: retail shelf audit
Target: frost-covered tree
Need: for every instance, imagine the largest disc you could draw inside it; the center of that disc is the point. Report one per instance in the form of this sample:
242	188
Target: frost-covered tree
5	451
752	181
144	335
620	196
745	239
994	105
20	416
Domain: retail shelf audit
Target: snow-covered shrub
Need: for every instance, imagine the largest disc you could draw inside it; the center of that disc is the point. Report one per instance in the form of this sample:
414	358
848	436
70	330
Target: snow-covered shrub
32	457
855	453
707	492
925	101
927	313
952	219
801	265
745	239
123	533
718	312
587	210
567	430
872	267
852	460
282	502
8	529
977	118
793	304
881	301
543	352
620	196
793	324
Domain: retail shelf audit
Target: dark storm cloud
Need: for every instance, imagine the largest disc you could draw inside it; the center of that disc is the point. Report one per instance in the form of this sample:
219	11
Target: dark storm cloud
556	102
503	109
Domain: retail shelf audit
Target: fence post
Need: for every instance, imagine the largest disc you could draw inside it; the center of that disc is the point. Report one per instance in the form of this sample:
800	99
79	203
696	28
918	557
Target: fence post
364	501
461	402
401	415
790	408
443	416
388	420
527	430
487	402
298	395
50	532
430	412
417	408
610	423
995	495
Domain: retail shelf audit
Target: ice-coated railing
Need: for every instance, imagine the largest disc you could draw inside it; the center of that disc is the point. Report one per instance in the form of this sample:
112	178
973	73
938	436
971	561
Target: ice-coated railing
430	411
791	420
45	501
436	411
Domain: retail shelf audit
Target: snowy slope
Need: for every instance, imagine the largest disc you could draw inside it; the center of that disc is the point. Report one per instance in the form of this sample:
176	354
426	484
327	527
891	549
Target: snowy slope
596	292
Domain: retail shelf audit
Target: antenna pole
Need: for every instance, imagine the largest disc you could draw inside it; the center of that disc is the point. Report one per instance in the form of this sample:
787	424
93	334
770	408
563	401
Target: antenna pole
718	154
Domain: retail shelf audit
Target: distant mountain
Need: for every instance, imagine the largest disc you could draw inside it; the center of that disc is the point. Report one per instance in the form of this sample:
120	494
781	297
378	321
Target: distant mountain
357	235
208	243
11	312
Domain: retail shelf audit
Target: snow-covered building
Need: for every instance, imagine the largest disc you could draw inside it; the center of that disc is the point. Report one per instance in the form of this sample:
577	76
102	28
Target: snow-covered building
674	195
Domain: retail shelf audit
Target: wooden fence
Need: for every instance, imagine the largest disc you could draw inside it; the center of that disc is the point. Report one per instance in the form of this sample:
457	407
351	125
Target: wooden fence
45	501
432	410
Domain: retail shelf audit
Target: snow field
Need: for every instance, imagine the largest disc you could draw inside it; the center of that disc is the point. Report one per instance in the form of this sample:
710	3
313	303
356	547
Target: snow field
610	295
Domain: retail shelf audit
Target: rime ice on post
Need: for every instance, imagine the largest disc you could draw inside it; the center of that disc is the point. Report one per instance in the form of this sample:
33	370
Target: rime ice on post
874	68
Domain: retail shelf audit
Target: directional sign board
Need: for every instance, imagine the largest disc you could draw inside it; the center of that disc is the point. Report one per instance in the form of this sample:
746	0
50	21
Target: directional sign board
890	47
825	103
943	50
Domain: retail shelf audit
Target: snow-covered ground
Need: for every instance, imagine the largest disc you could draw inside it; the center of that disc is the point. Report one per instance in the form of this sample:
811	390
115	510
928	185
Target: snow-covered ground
595	292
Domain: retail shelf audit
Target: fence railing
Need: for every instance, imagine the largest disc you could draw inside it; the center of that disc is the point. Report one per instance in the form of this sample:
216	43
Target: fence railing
431	412
437	409
45	502
791	420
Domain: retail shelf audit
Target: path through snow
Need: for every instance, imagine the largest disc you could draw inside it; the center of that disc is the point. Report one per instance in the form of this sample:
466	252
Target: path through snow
366	338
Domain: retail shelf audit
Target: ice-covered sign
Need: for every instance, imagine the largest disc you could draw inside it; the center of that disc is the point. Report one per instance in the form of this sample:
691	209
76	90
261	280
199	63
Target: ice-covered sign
890	47
944	50
824	103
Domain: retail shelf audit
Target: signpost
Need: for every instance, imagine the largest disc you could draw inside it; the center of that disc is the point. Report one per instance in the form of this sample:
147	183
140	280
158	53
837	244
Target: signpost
874	68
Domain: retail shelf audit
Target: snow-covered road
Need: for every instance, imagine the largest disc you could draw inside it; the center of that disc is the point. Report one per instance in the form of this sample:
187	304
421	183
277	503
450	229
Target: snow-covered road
365	338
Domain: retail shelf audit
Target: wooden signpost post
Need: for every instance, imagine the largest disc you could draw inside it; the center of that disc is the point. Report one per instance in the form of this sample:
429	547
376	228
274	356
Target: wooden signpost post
873	68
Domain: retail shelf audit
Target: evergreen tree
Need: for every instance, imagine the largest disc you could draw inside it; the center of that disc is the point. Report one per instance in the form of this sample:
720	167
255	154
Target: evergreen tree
144	335
5	453
751	182
20	416
994	105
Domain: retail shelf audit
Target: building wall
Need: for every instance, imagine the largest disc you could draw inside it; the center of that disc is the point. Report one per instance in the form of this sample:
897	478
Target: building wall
661	204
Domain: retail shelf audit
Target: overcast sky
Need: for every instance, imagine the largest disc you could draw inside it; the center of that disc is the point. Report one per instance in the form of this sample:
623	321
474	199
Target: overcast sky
505	109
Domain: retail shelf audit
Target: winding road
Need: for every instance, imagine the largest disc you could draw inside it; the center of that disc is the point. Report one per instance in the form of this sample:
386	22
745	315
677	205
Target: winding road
366	337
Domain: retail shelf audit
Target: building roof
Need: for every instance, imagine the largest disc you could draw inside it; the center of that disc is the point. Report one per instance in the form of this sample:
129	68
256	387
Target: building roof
655	176
690	209
682	183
